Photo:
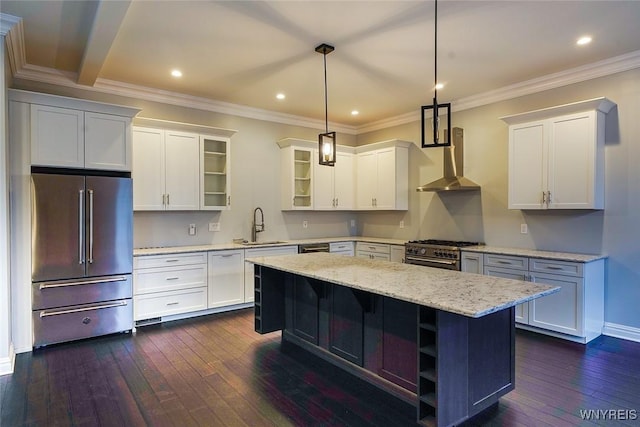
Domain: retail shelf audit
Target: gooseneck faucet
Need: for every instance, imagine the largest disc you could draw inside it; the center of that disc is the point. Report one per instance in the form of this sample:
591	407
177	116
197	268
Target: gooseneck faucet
257	227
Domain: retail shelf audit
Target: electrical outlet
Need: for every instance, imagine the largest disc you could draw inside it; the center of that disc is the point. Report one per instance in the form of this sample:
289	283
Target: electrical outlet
305	224
192	229
214	226
353	223
401	224
524	229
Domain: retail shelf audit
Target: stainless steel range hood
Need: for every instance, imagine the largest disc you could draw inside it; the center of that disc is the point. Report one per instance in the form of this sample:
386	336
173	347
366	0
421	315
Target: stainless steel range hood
453	179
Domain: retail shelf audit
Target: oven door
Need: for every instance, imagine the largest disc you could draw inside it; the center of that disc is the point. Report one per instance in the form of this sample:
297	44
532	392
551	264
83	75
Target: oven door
449	264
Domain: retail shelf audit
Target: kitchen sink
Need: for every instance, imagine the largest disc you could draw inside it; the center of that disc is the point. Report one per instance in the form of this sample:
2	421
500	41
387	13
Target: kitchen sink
270	242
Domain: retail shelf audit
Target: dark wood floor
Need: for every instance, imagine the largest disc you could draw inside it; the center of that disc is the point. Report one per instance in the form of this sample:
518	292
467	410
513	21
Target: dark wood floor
215	371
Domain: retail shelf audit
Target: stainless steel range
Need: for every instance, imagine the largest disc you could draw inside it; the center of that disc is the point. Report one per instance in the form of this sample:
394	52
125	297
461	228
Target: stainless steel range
435	253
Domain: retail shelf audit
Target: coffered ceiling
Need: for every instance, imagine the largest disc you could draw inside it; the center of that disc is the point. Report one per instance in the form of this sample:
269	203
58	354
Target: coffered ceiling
243	53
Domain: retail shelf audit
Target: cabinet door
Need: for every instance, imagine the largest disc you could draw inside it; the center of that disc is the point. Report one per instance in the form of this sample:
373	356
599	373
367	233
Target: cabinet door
182	171
522	310
215	176
366	179
471	262
572	161
344	181
323	185
527	165
562	311
226	278
385	197
347	323
148	169
57	136
397	253
107	142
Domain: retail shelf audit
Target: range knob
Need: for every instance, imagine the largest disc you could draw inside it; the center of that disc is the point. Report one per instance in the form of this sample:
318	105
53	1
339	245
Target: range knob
423	251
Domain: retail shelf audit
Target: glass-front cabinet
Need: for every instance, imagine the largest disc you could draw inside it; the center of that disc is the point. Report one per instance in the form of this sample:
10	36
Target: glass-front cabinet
214	178
302	178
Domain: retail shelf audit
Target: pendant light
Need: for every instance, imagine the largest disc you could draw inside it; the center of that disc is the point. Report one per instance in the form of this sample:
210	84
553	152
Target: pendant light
431	131
326	140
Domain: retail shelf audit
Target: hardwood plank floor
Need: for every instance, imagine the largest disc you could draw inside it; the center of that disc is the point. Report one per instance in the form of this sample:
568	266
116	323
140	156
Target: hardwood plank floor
216	371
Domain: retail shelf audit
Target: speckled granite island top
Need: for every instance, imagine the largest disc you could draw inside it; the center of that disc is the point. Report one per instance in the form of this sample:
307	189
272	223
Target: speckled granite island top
468	294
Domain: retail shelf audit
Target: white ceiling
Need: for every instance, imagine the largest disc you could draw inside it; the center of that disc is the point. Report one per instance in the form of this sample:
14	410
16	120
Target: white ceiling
244	52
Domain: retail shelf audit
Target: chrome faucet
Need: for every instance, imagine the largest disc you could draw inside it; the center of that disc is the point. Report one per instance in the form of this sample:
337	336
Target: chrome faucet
257	228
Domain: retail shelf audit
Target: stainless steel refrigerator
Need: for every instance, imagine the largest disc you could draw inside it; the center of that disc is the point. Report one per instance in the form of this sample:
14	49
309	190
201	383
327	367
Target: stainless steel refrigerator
82	256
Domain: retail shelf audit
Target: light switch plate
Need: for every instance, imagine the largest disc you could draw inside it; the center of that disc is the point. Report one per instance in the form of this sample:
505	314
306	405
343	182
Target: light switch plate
192	229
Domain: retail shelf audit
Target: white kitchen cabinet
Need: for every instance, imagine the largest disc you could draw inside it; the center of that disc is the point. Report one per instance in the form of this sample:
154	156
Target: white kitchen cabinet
73	138
471	262
556	157
382	180
373	250
166	170
334	186
576	312
396	253
296	166
215	177
226	278
261	252
342	248
165	285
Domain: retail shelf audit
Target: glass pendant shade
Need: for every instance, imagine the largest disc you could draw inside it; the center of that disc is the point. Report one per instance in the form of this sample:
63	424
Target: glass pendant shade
327	148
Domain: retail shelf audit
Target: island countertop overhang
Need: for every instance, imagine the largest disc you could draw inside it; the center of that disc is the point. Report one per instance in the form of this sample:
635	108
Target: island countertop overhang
468	294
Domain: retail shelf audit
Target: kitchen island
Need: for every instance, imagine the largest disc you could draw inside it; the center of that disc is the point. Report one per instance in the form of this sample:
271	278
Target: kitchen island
442	340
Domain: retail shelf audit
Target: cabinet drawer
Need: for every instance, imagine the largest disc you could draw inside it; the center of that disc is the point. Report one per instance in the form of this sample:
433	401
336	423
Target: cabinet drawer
151	261
169	278
504	261
340	246
168	303
380	248
565	268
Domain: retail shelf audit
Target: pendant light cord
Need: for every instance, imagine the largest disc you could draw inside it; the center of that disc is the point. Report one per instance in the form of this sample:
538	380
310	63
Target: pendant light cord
326	107
435	50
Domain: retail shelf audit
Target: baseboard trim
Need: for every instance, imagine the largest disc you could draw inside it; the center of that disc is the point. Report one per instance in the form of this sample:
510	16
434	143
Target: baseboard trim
621	331
7	363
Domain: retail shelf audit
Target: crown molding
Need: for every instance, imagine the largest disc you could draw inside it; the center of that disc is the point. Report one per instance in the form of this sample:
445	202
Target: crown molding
22	70
7	22
602	68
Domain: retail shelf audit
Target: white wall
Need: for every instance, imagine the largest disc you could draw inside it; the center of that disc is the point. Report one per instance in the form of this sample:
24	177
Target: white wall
6	348
484	216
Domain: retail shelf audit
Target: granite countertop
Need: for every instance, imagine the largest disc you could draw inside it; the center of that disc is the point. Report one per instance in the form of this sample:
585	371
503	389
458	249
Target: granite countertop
468	294
165	250
533	253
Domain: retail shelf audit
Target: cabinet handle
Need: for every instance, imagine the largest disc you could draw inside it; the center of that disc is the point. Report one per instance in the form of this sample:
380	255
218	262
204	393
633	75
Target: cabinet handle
228	200
226	255
503	262
168	202
80	226
171	260
544	198
548	198
172	278
553	267
336	202
173	303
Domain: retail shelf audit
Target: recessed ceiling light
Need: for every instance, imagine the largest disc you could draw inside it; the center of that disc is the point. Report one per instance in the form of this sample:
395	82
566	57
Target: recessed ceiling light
355	112
439	86
176	73
280	96
583	40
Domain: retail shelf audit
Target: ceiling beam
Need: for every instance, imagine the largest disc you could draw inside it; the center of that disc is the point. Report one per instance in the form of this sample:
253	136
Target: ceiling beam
106	23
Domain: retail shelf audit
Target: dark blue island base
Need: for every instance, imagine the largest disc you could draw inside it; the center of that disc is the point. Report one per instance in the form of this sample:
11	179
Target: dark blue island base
451	367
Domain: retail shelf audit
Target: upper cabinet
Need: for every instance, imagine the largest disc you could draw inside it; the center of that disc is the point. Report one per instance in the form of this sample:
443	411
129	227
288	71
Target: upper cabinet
334	186
382	176
296	168
215	180
174	169
74	133
556	156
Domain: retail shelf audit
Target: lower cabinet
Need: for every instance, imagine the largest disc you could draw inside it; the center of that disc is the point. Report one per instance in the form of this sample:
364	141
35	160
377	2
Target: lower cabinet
576	312
373	251
165	285
342	248
226	278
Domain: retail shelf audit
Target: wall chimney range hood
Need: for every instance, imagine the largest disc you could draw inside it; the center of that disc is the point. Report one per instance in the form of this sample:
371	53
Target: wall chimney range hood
453	179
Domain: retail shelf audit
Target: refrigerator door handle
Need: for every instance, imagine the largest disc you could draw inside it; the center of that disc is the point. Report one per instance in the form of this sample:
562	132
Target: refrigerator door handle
90	226
80	226
47	313
51	285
